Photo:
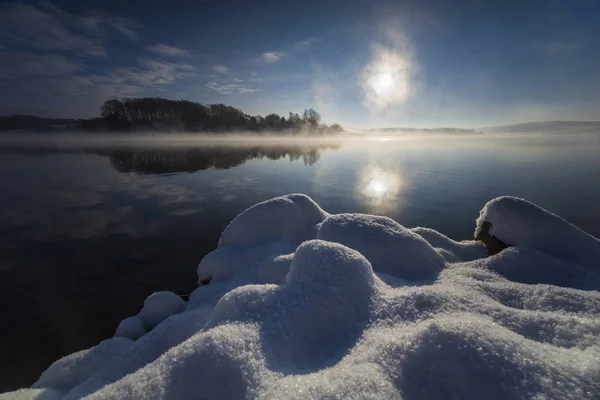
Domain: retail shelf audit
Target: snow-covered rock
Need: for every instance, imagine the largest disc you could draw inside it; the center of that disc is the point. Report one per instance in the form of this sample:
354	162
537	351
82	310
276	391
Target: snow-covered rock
303	304
518	222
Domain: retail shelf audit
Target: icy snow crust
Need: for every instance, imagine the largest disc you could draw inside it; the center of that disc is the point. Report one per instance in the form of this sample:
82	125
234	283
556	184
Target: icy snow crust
303	304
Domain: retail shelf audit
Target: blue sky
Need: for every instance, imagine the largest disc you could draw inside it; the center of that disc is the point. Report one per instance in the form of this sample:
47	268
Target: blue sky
360	63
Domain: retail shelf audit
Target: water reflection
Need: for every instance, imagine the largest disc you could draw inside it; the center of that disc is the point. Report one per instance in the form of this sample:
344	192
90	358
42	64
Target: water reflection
146	158
379	188
87	244
165	161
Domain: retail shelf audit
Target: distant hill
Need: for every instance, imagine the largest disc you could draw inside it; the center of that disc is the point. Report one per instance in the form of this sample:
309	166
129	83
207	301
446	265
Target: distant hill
31	122
572	127
404	130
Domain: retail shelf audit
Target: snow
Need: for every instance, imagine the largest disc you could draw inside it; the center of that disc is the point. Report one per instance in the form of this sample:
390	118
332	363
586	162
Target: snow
390	247
521	223
304	304
132	328
72	370
159	306
293	219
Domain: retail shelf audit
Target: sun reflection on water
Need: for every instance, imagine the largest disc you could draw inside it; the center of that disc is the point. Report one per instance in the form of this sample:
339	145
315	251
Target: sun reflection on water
380	188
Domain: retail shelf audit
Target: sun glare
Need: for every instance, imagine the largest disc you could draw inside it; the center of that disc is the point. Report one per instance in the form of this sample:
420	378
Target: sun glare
385	80
379	188
383	83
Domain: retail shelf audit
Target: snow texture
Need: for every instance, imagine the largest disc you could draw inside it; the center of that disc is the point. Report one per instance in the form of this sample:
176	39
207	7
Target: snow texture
303	304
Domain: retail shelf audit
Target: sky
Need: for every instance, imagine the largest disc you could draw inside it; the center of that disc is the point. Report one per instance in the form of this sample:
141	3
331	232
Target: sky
427	63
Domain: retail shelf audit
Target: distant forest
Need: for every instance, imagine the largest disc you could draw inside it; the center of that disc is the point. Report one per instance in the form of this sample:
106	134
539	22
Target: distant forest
158	114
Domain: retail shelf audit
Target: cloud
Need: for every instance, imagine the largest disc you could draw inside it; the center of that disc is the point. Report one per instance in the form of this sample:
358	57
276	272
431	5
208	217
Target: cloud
47	27
220	69
230	88
54	78
96	23
168	51
17	63
149	73
271	56
304	43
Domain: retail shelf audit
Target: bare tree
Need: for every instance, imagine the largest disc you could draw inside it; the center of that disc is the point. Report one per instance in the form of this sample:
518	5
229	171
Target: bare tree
312	118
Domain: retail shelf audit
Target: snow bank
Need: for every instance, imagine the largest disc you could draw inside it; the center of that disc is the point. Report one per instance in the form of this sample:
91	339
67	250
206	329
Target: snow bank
297	303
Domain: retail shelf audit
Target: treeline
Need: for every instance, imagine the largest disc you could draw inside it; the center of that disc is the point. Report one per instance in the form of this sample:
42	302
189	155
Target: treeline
181	115
155	113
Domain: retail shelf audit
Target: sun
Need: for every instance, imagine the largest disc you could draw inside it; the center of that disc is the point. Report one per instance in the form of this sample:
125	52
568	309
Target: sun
386	80
383	83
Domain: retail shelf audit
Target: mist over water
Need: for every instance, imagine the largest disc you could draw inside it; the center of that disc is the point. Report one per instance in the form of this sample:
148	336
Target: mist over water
150	139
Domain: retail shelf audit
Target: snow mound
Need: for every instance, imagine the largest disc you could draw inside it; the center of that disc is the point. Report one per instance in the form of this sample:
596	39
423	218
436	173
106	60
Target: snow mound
518	222
292	218
296	303
390	247
132	328
158	307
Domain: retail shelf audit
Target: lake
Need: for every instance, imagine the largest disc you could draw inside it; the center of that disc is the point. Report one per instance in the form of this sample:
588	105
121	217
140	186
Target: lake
90	228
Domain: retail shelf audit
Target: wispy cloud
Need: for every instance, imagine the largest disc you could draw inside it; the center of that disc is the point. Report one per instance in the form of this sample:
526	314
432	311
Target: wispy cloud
149	73
220	69
95	22
271	56
15	64
168	51
230	88
47	27
304	43
48	75
43	56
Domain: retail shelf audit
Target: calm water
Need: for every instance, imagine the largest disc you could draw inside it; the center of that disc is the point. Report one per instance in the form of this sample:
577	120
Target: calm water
87	232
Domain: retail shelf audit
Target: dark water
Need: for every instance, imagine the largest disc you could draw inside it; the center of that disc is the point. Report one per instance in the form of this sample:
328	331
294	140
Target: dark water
87	232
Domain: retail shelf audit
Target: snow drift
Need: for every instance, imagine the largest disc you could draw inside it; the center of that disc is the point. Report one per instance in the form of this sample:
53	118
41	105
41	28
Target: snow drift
298	303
